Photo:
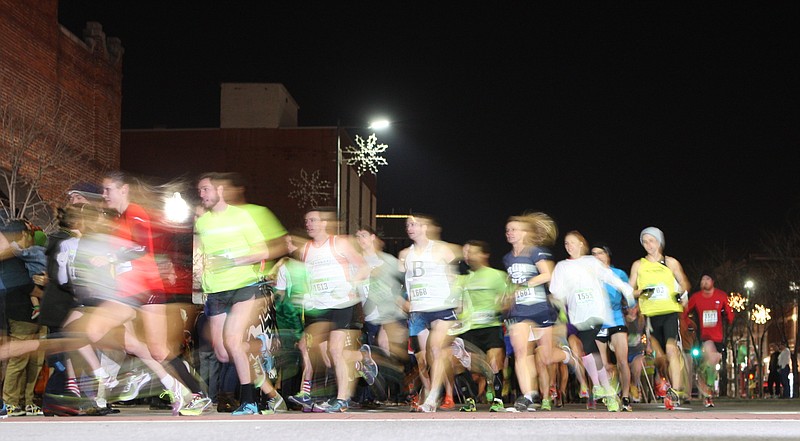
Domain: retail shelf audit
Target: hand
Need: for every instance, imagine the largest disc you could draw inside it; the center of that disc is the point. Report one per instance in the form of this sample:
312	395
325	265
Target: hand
40	279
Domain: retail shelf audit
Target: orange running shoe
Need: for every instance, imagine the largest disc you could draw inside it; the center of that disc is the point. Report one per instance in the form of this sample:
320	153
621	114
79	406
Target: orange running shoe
447	403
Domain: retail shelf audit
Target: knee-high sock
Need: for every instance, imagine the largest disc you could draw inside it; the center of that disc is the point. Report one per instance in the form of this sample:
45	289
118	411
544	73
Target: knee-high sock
591	368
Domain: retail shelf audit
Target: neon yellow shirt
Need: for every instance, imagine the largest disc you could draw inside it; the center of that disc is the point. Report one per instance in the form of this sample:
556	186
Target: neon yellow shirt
230	233
271	228
659	277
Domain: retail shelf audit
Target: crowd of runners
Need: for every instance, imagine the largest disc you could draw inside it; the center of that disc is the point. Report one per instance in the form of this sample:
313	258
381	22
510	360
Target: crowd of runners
236	313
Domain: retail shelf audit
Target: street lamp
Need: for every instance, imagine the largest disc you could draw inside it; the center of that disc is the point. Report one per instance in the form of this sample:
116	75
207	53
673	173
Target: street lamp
378	124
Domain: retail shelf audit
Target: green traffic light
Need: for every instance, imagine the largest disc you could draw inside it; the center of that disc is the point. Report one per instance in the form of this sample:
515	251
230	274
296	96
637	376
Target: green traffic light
695	352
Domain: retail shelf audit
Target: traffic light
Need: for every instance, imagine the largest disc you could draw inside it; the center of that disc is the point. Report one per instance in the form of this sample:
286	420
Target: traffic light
696	352
750	376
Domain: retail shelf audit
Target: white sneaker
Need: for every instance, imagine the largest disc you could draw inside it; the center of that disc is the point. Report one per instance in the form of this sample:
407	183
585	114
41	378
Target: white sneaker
33	410
135	384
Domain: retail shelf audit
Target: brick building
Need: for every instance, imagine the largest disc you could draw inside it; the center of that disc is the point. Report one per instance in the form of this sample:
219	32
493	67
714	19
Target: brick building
287	168
60	99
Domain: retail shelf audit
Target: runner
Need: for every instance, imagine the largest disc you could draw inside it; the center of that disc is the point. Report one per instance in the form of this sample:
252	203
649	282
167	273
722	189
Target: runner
710	306
660	286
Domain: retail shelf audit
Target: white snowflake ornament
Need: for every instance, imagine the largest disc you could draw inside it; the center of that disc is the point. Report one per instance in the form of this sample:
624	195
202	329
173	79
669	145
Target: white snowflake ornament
310	190
367	156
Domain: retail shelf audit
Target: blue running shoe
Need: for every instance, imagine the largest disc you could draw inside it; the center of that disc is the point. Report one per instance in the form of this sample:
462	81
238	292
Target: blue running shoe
337	406
303	400
246	409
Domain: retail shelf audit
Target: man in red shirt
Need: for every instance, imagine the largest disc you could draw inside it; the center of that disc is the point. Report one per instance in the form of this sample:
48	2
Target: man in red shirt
710	306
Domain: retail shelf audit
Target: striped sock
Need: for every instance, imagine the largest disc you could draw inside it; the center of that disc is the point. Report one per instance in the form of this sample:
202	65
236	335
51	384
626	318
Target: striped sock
306	388
72	387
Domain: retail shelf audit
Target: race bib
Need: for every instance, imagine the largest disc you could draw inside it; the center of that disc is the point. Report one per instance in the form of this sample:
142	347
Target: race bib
418	292
710	318
660	292
584	298
320	286
524	295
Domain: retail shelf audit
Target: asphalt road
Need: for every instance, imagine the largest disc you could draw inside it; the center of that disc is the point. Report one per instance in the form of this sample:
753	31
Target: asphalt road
730	420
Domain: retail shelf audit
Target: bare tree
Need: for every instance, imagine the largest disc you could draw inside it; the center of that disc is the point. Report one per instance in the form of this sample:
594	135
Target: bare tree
782	275
35	145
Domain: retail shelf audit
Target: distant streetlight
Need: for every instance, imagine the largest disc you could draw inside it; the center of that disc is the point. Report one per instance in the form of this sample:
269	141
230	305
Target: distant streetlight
379	124
176	210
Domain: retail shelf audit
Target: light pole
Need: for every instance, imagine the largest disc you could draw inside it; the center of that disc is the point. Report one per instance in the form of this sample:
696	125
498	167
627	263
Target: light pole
378	124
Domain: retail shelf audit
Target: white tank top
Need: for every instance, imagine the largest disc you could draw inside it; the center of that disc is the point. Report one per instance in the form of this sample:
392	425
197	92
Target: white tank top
328	276
427	281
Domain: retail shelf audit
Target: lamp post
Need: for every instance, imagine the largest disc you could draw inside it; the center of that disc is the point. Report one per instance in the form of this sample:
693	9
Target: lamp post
378	124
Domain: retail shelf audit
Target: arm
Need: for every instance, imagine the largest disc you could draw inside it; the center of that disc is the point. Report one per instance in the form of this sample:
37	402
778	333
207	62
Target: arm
677	270
634	276
545	268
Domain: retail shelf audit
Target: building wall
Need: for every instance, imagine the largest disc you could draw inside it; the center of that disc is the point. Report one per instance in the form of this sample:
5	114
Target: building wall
273	161
67	88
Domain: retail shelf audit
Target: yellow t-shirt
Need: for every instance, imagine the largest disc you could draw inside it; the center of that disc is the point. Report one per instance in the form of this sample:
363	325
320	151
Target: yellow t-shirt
230	233
659	277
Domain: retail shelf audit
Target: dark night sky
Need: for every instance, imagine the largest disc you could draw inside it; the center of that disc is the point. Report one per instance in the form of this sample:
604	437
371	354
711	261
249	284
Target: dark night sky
609	118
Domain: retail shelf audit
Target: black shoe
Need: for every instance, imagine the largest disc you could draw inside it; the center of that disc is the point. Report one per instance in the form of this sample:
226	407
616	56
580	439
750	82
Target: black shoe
226	402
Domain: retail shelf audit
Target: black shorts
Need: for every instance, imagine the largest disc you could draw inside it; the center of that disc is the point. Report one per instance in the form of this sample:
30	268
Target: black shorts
587	339
339	318
605	334
221	302
485	338
664	327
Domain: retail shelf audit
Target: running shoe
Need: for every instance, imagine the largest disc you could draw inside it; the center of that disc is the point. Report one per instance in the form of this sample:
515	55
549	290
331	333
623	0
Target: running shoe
626	405
199	403
469	406
497	405
302	399
547	404
584	392
15	410
571	360
337	406
176	395
523	404
460	352
668	405
675	395
612	403
635	394
3	412
259	376
591	404
246	409
661	387
368	367
267	359
427	408
709	402
600	392
135	384
448	403
276	404
33	410
226	402
323	406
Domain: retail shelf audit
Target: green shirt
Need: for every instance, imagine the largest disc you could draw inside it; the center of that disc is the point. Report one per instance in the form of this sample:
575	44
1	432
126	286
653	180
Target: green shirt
271	228
483	291
231	233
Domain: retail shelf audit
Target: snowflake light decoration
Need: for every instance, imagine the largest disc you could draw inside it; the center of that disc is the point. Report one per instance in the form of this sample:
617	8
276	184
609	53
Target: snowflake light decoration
309	189
760	314
367	156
